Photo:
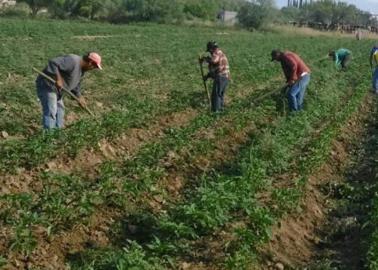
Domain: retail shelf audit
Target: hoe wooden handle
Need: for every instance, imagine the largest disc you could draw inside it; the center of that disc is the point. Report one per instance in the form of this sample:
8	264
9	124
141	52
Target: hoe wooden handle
47	77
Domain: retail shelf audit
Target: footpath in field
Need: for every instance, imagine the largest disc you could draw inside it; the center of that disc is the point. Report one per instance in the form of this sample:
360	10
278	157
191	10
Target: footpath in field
332	226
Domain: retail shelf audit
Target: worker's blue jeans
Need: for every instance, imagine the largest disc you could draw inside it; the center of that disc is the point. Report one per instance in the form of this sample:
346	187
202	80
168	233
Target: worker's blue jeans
217	95
297	92
375	80
52	105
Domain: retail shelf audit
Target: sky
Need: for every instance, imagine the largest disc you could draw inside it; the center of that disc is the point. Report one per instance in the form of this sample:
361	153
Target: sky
367	5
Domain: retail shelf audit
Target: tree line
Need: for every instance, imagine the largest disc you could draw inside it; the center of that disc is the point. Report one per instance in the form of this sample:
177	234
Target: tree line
133	10
251	13
327	12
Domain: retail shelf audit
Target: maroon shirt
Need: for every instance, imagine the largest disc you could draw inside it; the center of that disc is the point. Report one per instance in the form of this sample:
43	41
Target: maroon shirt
293	66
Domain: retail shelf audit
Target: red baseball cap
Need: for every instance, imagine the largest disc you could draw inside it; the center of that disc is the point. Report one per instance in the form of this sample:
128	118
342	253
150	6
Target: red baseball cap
96	58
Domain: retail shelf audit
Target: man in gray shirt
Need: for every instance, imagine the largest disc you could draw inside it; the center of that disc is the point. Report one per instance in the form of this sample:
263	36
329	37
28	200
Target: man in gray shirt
67	71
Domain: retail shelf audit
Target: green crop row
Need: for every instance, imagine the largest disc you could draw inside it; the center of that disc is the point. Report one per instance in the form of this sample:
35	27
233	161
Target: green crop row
144	169
371	206
221	198
151	72
373	241
217	198
137	175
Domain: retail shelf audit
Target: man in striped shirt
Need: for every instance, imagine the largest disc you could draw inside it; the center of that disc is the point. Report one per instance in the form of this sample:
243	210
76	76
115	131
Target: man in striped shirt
297	77
219	71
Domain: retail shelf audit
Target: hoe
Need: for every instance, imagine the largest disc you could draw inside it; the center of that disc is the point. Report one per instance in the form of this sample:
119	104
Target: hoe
65	91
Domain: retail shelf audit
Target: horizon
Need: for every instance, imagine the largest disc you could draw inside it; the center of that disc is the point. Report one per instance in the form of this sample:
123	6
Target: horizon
365	5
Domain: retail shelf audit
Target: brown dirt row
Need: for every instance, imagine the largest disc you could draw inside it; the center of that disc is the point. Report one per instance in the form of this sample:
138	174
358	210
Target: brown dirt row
214	246
96	232
88	160
190	167
50	251
297	238
125	145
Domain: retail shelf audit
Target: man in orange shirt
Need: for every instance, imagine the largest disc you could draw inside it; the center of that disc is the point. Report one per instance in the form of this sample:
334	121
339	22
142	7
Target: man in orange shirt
297	77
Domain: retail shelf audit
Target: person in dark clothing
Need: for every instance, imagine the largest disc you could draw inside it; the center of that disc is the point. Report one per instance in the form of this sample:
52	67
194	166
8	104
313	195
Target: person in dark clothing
297	77
219	71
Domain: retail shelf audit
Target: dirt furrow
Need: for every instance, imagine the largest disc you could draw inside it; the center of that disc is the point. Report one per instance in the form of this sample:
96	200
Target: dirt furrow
88	161
298	240
98	231
52	251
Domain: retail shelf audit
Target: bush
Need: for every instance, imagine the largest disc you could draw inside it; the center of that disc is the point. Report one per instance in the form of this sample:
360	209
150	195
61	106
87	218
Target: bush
20	10
201	9
153	10
255	14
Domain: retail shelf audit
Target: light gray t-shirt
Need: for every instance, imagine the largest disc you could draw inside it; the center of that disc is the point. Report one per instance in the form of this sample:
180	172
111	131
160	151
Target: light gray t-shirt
70	70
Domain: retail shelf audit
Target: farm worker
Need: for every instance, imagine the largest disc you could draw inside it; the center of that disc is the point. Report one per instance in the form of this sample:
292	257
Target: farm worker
297	77
374	67
342	58
359	34
219	71
67	71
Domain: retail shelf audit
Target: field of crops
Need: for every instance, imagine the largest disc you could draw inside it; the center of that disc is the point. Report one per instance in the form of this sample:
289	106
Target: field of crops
158	182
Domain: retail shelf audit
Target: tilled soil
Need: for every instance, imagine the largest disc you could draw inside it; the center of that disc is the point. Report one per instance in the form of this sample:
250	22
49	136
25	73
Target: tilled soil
326	232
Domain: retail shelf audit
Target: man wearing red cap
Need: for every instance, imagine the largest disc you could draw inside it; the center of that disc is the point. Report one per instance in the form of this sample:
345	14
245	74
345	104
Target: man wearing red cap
67	71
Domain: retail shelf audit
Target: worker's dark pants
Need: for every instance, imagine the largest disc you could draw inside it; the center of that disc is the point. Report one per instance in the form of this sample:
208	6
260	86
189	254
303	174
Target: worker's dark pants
346	61
297	92
217	95
52	105
375	80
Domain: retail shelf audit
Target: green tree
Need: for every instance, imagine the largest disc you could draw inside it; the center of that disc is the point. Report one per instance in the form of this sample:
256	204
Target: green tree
153	10
89	8
291	13
201	9
233	5
256	13
322	12
62	8
35	5
327	12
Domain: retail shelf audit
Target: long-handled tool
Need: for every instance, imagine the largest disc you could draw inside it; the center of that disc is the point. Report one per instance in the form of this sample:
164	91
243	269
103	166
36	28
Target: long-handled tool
282	93
65	91
268	94
204	81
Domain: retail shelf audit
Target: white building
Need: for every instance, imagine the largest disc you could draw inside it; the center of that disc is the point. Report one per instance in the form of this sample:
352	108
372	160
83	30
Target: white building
6	3
228	17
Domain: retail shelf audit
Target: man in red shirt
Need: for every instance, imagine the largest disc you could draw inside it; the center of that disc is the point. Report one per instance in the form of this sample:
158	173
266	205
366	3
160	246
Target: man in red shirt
297	77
